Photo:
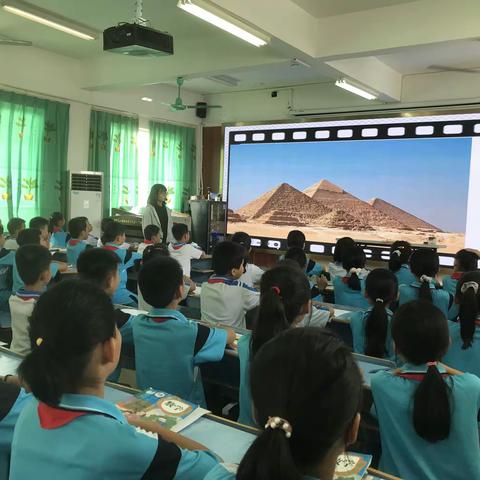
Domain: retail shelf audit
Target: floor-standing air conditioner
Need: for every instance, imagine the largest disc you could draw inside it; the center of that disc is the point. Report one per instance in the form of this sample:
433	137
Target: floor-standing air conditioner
86	198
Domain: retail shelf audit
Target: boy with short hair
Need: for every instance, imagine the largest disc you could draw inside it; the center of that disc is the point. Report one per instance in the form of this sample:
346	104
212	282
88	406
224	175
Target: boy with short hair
224	299
14	226
152	236
296	239
33	264
41	224
181	250
168	347
77	228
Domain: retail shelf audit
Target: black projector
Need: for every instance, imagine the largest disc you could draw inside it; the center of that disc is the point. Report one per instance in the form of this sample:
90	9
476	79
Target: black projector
137	41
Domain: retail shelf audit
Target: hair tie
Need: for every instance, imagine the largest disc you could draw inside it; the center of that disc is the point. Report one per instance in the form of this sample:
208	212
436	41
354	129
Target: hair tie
397	252
277	422
432	364
379	300
355	271
426	279
468	285
276	289
39	341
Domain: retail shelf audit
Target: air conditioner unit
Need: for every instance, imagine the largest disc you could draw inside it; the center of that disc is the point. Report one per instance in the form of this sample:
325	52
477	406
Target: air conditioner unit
86	198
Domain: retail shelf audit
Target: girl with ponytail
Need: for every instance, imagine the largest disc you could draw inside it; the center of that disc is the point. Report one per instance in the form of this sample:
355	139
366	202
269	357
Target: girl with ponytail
307	392
371	328
464	351
58	236
425	265
349	290
399	263
75	347
427	412
284	301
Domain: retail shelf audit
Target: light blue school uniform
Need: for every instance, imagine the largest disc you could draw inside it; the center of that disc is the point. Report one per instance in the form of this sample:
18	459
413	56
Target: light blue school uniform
441	298
18	283
245	397
404	275
12	402
74	248
344	295
7	257
313	268
87	437
168	350
358	321
450	283
407	455
467	360
58	239
123	296
229	472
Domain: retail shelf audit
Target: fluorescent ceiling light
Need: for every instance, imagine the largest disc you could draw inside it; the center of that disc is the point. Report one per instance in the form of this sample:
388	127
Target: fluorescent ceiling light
223	20
147	99
356	90
39	15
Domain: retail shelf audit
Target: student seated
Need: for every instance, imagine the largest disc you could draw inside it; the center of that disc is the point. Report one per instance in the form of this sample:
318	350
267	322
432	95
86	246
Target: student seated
41	224
425	264
168	347
224	299
152	236
181	250
399	263
77	228
58	236
76	346
253	274
296	239
13	399
350	289
14	226
464	351
91	239
464	261
33	265
113	238
307	394
103	226
427	412
335	268
284	301
6	273
371	328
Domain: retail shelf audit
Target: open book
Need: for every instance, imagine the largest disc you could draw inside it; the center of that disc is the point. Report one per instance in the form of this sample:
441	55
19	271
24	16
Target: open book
168	410
352	466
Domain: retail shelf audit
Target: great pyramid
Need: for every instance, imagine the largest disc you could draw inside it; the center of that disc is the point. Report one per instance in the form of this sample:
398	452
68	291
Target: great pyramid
406	218
328	194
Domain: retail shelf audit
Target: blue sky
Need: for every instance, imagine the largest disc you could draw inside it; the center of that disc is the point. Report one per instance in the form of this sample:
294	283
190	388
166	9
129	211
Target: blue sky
426	177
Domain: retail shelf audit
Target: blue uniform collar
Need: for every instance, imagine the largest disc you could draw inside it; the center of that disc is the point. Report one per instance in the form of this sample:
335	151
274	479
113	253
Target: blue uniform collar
418	284
405	265
411	368
89	403
166	313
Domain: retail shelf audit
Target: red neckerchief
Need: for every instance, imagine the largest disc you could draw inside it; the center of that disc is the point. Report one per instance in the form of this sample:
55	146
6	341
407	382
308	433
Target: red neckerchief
418	377
148	242
178	246
55	417
456	275
160	319
345	280
56	229
73	241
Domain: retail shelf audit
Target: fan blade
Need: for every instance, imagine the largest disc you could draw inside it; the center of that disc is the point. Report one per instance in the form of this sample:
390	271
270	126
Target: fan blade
16	43
204	107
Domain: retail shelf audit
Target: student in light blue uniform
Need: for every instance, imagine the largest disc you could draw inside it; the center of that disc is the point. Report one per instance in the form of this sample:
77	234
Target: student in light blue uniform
350	289
284	301
427	412
371	328
464	351
168	347
58	238
307	392
112	239
399	263
7	257
12	400
296	239
77	228
335	268
425	264
70	430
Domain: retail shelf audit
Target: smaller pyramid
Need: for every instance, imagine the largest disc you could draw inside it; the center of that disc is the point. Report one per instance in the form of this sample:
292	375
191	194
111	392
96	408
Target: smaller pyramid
341	219
234	217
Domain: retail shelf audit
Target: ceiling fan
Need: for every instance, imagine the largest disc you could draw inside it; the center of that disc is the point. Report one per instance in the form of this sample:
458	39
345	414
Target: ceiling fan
445	68
179	106
10	42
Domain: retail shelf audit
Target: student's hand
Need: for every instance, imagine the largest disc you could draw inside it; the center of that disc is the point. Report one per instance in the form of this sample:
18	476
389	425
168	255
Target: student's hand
62	266
12	380
231	337
322	283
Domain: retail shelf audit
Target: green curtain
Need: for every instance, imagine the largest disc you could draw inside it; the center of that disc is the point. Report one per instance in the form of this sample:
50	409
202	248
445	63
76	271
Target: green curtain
33	156
173	161
113	151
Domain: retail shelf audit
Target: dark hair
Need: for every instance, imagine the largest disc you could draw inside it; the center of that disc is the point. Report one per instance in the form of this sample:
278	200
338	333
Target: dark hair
29	236
71	318
242	238
1	229
97	265
353	257
38	222
284	290
298	255
298	369
76	226
153	196
153	251
424	262
179	230
421	335
400	253
55	217
296	238
105	221
381	287
112	231
342	244
226	256
150	231
32	261
15	224
467	260
159	279
469	306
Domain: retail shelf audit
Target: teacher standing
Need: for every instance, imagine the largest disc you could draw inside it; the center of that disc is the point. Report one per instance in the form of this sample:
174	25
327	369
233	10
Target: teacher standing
157	213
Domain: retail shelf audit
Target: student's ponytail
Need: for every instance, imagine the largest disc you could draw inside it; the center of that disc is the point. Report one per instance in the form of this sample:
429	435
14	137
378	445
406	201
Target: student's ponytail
425	292
354	280
353	262
400	253
468	296
424	264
